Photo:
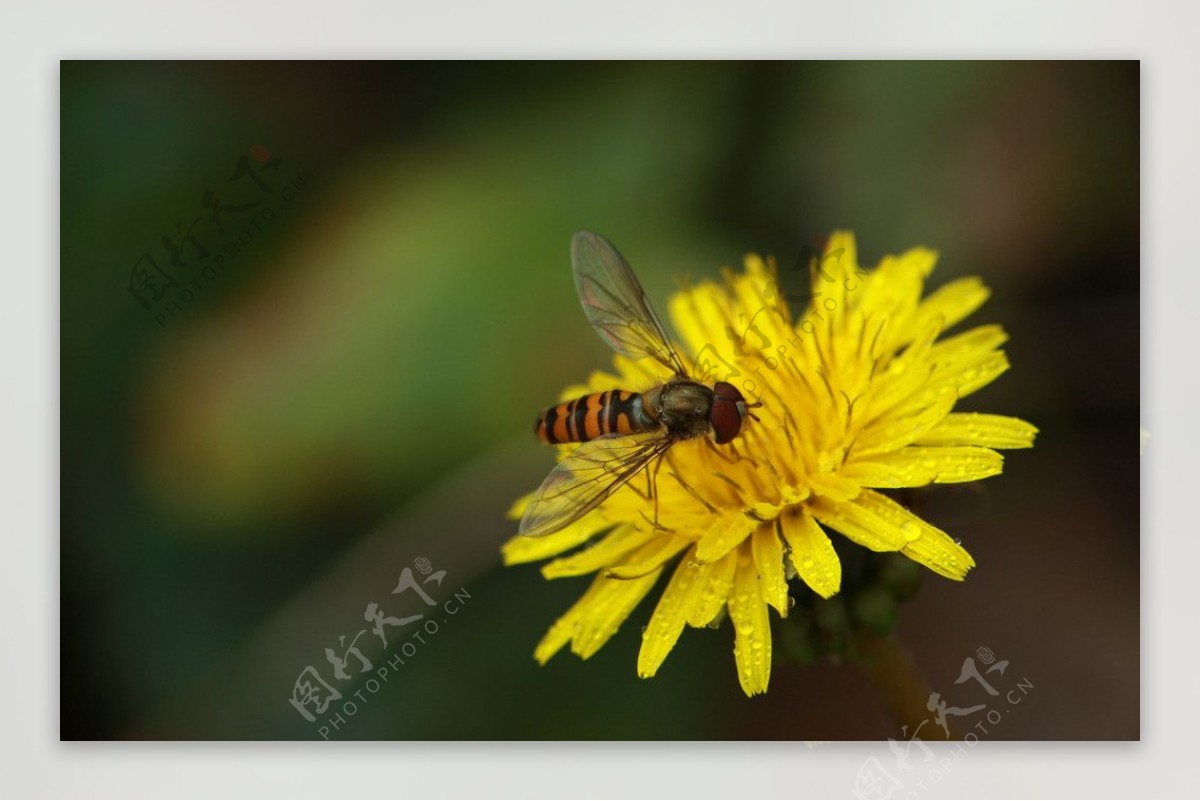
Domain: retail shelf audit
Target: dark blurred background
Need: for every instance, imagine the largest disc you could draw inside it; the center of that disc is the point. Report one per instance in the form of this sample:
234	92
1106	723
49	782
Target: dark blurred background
254	453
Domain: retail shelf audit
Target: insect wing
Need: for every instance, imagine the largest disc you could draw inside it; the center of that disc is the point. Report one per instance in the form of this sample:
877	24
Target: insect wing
592	472
615	303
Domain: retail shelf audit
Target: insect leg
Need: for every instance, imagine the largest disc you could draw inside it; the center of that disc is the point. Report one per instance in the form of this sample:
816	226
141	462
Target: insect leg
737	455
653	475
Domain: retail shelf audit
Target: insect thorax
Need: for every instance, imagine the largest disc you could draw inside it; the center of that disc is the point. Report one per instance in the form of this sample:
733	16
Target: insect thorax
682	406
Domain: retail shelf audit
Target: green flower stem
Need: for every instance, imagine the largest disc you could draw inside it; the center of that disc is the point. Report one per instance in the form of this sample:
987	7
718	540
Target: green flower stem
904	691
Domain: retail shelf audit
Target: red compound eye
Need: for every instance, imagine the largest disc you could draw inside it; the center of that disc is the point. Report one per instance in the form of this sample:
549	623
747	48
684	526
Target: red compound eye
728	408
726	419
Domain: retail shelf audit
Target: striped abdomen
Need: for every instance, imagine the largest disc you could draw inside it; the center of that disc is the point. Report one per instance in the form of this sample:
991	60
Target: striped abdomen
613	412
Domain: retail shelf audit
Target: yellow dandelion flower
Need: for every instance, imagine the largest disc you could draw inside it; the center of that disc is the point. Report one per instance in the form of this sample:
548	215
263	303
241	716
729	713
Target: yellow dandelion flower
857	396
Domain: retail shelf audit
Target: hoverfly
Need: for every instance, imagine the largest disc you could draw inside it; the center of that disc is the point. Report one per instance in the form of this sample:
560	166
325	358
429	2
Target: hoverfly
623	432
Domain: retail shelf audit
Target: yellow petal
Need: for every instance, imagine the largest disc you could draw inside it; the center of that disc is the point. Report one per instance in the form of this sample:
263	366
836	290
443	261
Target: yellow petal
757	290
724	534
700	316
835	269
920	261
651	557
614	545
670	615
986	430
925	544
767	551
917	466
841	255
953	302
964	363
893	289
607	615
937	551
565	627
716	582
517	510
812	553
633	373
889	432
917	351
973	378
969	346
600	381
752	640
522	549
904	377
595	617
957	380
858	524
833	486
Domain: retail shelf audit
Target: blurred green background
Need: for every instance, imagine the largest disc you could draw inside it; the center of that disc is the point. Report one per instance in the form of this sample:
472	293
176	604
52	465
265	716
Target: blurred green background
354	389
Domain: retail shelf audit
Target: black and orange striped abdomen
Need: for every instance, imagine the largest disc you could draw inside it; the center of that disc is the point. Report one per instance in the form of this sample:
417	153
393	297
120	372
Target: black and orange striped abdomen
615	411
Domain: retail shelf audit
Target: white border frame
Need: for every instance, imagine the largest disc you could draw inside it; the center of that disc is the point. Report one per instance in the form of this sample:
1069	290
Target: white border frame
35	37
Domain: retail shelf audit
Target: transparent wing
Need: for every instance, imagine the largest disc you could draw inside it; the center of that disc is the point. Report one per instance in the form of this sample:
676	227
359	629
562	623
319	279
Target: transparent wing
593	471
616	304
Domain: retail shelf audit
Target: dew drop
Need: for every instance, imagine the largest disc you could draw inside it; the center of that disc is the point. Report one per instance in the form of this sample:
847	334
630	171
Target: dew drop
911	531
